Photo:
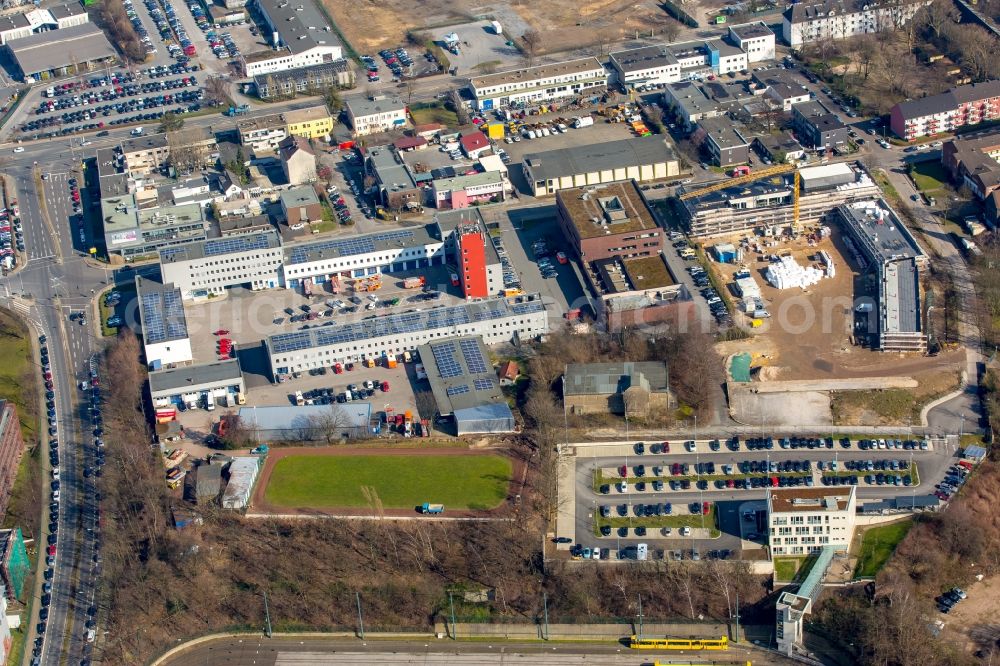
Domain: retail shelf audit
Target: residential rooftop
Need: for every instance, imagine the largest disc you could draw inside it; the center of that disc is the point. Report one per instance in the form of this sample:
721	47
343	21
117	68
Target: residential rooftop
597	211
813	10
948	100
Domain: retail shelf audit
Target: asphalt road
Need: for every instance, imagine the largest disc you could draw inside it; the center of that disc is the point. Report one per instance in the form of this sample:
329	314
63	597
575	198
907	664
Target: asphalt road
261	651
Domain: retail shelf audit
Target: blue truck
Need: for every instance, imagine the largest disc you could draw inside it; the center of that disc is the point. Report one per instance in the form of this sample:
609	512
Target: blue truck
431	508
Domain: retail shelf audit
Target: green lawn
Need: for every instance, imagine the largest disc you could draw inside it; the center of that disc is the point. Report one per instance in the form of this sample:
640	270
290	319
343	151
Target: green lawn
790	569
877	546
929	176
424	114
401	482
14	372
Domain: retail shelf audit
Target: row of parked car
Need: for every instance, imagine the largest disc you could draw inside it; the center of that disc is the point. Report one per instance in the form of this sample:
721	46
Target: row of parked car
396	60
114	92
139	28
11	233
950	599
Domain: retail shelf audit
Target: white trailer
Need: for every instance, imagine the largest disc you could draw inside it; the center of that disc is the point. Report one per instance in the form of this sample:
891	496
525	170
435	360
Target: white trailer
497	28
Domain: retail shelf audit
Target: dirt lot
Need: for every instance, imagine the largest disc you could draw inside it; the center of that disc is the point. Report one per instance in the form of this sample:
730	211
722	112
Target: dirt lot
808	334
563	24
972	622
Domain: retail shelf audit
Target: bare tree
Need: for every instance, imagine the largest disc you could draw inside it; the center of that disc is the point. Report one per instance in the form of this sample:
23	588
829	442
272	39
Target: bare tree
937	14
188	150
532	39
217	90
329	424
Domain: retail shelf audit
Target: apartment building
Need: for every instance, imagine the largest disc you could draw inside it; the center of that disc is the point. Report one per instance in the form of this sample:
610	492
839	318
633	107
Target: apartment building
608	221
263	133
299	37
497	320
817	127
314	122
815	20
722	141
975	162
539	84
298	161
304	79
211	266
965	105
375	114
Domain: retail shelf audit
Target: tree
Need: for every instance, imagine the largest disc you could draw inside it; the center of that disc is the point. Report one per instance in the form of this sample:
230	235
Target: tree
217	90
334	101
671	30
171	122
187	149
531	41
329	425
456	104
938	14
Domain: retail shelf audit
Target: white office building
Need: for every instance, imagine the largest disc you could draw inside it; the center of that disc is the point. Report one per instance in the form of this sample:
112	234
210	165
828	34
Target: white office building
378	114
194	386
802	520
299	36
539	84
360	256
208	267
497	320
164	326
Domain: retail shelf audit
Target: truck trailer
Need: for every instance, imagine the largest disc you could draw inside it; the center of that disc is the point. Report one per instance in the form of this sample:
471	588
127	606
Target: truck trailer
431	508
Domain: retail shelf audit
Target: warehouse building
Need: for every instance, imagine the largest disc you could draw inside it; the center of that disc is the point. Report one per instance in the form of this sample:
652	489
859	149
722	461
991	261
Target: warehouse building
308	423
466	190
768	204
300	37
195	386
608	221
360	256
74	49
314	79
164	326
642	159
896	258
36	21
497	320
465	385
629	388
208	267
527	86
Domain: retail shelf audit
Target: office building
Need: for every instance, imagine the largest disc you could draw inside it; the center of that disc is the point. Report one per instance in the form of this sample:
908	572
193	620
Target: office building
397	188
607	221
496	320
755	39
895	257
299	36
801	521
688	103
528	86
465	385
164	326
376	114
467	190
467	246
193	386
208	267
642	159
132	232
262	134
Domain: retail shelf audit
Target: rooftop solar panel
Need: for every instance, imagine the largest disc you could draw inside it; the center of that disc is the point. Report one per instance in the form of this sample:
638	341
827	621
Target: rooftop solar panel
473	358
162	316
233	244
483	384
348	246
457	390
444	358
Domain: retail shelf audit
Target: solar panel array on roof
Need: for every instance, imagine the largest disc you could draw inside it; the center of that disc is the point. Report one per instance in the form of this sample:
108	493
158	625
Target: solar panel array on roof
473	358
444	359
163	317
348	246
233	244
483	384
287	342
458	390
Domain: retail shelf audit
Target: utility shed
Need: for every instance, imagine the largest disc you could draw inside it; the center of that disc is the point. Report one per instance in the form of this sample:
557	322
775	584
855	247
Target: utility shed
595	388
242	476
208	483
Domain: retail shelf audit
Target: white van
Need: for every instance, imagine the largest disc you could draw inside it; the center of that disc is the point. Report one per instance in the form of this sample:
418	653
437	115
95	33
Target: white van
209	402
136	132
641	552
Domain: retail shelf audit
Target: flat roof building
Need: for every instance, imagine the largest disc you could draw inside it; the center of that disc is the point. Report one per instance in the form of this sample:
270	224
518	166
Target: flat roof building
465	385
689	103
768	203
895	257
643	159
300	36
724	143
496	319
397	188
190	385
164	326
375	114
309	423
606	221
532	85
209	267
817	127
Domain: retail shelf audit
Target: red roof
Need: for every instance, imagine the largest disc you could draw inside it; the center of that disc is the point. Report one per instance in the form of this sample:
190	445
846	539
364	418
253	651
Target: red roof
409	142
474	141
509	371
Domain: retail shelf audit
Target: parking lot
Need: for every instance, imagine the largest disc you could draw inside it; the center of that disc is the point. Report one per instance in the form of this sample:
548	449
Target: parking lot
480	50
668	491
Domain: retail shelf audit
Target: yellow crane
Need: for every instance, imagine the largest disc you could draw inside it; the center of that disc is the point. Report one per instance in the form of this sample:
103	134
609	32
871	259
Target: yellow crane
749	178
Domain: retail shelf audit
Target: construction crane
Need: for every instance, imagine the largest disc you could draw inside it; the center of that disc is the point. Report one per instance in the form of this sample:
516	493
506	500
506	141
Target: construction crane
749	178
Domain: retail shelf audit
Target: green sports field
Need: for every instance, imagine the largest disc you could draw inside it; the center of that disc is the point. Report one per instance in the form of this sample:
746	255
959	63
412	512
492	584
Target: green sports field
401	482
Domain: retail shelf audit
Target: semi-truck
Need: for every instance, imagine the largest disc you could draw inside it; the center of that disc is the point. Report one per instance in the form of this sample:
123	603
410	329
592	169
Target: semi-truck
427	507
583	121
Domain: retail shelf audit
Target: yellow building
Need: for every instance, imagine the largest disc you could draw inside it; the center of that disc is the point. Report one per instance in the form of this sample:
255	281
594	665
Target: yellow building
312	123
